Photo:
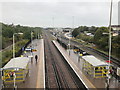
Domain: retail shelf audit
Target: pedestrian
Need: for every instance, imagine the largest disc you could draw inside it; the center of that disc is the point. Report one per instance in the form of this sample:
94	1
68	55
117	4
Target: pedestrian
11	74
36	58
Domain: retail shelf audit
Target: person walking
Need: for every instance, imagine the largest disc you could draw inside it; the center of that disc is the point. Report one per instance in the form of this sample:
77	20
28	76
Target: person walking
36	58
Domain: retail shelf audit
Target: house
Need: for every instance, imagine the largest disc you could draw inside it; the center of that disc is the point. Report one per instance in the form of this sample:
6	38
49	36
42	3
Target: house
116	27
116	30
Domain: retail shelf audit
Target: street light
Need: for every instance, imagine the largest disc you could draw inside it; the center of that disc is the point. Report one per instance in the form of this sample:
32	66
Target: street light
108	79
69	44
1	70
14	43
31	39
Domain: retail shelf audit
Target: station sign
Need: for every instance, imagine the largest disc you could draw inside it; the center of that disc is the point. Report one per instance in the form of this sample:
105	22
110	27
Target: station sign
34	50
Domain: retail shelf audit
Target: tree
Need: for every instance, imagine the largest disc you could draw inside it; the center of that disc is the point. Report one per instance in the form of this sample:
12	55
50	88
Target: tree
79	30
75	32
93	29
100	34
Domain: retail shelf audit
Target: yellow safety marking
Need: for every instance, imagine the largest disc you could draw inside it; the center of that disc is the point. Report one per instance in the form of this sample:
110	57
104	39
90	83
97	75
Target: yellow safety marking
16	77
15	81
12	70
19	73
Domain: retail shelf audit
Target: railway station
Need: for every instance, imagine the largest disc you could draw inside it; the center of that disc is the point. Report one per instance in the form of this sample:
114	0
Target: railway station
87	68
60	45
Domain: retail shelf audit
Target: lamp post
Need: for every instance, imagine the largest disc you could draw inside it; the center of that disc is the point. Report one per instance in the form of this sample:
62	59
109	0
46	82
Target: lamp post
31	39
108	78
2	84
69	44
14	43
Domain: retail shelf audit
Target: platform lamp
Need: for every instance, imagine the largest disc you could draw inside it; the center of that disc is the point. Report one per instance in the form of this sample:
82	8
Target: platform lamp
69	44
31	39
14	43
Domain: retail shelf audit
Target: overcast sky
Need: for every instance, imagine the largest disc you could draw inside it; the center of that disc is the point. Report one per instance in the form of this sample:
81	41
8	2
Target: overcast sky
41	13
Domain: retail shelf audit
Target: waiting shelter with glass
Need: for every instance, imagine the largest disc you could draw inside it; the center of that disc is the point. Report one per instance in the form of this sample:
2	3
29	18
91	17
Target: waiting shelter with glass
16	68
94	67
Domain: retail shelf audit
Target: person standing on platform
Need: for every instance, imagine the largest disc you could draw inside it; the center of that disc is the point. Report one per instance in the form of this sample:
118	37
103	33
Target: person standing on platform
36	58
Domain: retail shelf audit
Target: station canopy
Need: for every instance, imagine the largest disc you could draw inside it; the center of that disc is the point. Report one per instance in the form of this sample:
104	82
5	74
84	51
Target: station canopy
94	61
18	62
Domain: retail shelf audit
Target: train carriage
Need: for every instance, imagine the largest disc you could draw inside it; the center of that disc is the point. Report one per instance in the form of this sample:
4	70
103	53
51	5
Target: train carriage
95	67
16	68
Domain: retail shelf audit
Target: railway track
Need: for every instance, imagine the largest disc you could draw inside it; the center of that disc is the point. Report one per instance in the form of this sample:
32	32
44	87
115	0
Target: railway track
58	72
115	61
106	57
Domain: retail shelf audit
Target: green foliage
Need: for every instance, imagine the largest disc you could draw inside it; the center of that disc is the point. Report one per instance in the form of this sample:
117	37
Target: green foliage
7	55
100	39
20	40
19	45
79	30
84	37
92	29
99	34
9	30
75	32
116	45
82	29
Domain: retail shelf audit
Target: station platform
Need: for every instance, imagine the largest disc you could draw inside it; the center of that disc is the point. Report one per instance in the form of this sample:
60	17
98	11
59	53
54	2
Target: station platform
36	75
82	77
41	67
87	80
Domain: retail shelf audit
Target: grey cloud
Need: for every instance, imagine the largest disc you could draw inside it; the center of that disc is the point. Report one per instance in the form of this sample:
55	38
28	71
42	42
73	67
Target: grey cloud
41	13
